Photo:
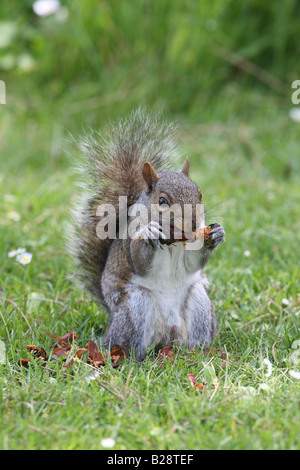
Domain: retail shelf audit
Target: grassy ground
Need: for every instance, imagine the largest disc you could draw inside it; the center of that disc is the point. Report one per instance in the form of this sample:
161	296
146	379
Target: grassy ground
244	154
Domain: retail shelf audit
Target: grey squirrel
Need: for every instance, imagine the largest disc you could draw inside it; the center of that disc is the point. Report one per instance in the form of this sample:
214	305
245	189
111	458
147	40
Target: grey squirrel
153	287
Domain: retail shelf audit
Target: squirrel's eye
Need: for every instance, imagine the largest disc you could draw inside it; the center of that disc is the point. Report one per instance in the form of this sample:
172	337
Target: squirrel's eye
162	200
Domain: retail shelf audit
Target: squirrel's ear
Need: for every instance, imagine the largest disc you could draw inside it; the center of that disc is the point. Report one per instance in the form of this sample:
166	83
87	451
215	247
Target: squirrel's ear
149	174
186	167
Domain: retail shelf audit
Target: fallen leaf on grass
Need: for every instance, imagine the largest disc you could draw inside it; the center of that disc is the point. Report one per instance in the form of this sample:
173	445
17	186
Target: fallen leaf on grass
66	346
194	382
119	351
63	341
80	352
95	357
61	352
40	353
74	357
24	362
118	354
166	352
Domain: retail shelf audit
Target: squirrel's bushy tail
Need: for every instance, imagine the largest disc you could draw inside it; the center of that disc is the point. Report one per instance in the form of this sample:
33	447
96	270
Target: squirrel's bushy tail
112	167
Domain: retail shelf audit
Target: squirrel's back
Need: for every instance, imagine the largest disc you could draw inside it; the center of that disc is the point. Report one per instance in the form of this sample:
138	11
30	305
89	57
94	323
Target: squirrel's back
112	166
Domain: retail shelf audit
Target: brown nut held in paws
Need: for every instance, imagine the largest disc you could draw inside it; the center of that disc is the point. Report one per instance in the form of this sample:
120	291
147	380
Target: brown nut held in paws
201	233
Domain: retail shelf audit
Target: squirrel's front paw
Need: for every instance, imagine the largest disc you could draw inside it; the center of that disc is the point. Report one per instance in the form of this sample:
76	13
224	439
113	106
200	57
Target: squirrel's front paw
215	236
152	234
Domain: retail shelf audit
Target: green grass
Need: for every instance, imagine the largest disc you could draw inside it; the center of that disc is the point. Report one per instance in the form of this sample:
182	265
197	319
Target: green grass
104	59
244	155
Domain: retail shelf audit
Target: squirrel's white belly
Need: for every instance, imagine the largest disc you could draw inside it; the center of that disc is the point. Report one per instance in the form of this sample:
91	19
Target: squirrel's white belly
168	269
168	284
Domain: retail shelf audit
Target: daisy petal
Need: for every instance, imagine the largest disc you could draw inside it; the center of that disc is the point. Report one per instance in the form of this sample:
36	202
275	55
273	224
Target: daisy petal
19	251
24	258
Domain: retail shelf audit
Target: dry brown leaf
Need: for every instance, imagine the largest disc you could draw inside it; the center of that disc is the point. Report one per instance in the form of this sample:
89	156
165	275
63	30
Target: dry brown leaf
66	344
24	362
95	357
73	357
40	353
80	352
194	382
61	352
166	352
63	341
119	353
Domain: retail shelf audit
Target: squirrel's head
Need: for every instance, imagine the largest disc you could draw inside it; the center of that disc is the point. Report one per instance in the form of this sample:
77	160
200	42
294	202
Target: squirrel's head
176	198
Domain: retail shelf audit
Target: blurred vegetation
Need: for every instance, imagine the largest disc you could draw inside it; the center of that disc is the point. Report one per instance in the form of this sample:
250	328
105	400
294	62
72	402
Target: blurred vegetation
172	53
223	70
96	60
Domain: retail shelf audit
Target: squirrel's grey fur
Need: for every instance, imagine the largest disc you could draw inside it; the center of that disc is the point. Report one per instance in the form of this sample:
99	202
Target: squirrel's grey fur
154	292
112	167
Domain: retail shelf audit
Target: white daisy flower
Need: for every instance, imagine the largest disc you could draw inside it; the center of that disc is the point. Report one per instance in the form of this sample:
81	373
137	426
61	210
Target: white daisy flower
19	251
45	7
285	303
108	442
268	363
24	258
247	253
92	377
295	374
